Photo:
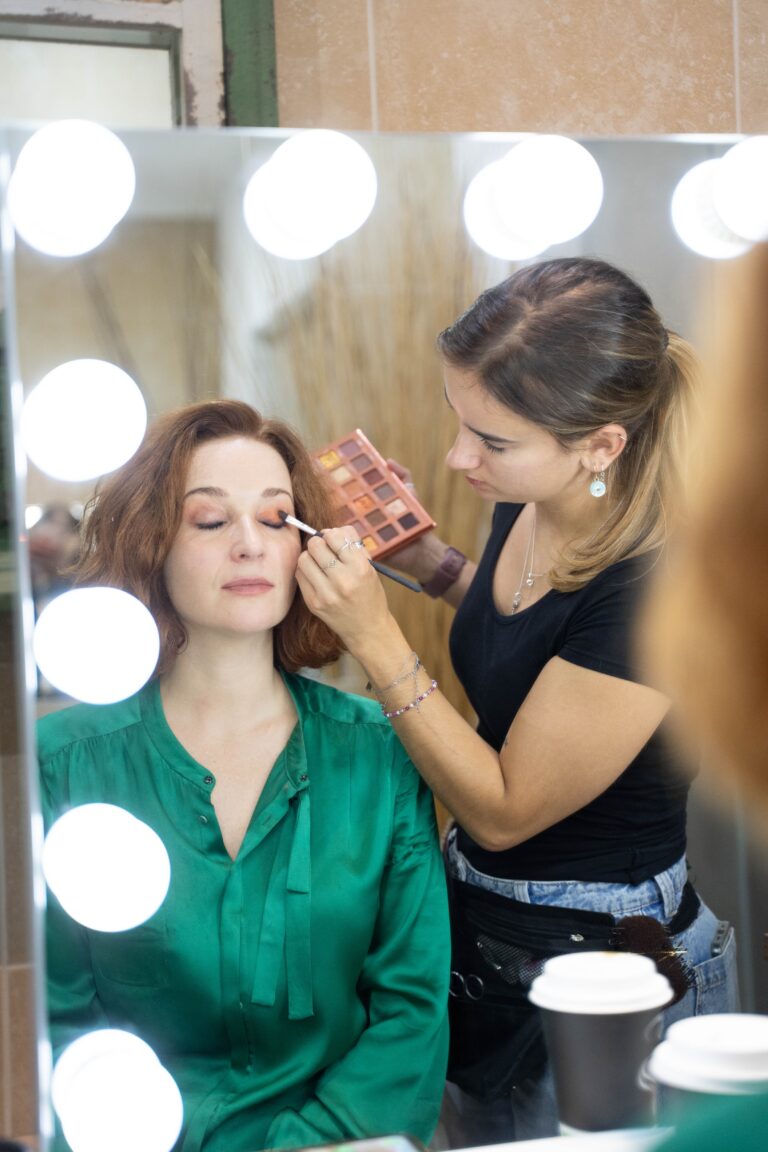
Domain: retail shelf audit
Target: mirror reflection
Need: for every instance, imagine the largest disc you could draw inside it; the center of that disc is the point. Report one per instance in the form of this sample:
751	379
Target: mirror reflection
183	299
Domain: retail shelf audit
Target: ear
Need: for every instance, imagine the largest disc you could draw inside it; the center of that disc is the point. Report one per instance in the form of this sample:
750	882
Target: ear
602	447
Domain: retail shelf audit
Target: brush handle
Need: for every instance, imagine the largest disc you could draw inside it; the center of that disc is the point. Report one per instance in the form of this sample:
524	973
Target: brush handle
382	568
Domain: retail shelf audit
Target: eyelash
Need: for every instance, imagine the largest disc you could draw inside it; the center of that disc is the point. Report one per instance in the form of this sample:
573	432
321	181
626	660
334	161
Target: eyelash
491	447
220	523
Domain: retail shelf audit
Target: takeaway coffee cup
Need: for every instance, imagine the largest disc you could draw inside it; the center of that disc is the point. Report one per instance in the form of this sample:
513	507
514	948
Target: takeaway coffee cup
723	1054
601	1014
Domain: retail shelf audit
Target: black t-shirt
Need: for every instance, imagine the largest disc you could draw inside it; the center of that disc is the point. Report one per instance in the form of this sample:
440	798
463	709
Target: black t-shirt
636	828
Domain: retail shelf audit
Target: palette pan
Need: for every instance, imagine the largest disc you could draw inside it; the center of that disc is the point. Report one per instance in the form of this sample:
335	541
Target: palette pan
370	497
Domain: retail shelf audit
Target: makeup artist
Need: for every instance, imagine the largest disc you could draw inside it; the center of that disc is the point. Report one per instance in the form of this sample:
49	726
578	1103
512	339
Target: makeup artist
294	982
571	400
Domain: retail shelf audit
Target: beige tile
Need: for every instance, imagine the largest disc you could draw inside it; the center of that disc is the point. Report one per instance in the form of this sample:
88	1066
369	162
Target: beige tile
23	1048
753	76
574	66
322	64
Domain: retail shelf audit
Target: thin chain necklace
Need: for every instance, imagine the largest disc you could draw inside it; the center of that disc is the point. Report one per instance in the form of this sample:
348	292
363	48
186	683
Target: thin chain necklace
527	577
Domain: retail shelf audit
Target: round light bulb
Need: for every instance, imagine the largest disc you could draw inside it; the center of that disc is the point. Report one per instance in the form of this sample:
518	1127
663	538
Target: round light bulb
84	418
484	223
740	188
96	644
695	218
72	183
111	1091
549	189
109	871
318	187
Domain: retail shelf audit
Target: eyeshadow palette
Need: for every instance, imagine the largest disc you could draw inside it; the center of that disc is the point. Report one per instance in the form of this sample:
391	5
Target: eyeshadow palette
371	498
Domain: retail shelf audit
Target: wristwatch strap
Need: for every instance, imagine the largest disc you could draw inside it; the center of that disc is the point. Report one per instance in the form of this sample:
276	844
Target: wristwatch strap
446	573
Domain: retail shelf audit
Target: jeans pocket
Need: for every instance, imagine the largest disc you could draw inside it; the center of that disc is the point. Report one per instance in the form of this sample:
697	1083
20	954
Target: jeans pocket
716	982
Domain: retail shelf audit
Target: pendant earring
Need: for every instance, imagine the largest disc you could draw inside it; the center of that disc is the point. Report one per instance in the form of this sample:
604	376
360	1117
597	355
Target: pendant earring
597	487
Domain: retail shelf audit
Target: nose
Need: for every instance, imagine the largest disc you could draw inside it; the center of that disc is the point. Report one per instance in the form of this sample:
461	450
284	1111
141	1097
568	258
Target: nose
248	539
462	455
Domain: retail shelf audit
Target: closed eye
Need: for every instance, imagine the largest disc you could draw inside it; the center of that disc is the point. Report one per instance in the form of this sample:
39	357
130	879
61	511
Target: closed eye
210	525
489	444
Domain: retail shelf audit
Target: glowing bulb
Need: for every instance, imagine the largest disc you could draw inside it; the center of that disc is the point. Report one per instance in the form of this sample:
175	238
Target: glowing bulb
695	218
108	870
484	223
85	418
96	644
72	183
548	189
111	1091
318	187
740	188
32	513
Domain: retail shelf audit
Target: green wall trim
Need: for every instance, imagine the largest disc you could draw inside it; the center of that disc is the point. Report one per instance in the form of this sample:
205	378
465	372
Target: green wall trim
250	64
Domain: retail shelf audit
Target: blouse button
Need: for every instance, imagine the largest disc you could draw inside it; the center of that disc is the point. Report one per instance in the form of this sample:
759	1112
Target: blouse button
303	777
207	779
203	819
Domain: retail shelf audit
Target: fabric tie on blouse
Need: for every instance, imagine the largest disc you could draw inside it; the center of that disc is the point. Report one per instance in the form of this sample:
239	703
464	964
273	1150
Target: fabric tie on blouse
286	927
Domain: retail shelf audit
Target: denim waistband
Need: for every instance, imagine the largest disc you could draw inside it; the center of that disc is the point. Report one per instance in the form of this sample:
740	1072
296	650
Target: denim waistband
659	896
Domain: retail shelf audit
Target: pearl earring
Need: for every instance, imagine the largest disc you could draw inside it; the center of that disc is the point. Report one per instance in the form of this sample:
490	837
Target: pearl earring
597	487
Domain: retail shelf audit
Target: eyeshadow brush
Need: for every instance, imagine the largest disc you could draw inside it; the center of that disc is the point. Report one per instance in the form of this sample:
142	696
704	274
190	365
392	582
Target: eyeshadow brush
382	568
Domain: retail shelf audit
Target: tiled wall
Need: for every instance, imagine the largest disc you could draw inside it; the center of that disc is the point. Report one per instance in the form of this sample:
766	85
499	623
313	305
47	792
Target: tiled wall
582	67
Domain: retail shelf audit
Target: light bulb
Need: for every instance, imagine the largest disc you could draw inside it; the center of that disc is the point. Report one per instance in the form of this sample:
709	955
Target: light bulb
96	644
318	187
695	218
740	188
484	223
109	871
111	1091
548	189
84	418
72	183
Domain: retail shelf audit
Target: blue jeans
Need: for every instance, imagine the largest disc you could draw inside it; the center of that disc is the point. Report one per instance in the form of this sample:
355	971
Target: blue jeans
530	1110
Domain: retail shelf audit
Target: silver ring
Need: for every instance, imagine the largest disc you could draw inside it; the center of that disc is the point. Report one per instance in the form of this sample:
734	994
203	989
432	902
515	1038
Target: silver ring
356	544
347	544
330	564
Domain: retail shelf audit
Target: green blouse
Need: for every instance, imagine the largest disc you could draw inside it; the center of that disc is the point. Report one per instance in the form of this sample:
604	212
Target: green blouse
297	994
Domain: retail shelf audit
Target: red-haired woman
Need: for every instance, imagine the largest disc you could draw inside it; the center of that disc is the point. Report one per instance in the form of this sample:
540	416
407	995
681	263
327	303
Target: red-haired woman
294	981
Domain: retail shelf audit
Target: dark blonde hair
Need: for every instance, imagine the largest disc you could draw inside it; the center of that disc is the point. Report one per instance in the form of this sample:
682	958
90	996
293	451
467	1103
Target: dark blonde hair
134	517
707	630
572	345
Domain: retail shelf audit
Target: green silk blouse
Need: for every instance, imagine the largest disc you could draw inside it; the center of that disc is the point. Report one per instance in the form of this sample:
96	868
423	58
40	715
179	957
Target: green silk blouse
297	994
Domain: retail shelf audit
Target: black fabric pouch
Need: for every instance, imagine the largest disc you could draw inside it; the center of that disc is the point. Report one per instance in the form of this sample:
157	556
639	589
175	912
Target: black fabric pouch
498	948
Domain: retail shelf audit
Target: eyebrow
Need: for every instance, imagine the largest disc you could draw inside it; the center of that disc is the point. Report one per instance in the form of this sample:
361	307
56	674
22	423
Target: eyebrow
221	494
483	435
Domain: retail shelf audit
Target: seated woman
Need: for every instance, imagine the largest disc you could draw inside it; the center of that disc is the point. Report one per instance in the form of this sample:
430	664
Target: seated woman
294	981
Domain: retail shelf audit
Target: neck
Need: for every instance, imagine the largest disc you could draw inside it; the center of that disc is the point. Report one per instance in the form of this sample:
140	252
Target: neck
570	519
236	680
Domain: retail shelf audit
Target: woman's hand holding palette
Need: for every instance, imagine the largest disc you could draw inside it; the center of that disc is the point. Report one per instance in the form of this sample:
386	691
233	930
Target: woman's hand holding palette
384	512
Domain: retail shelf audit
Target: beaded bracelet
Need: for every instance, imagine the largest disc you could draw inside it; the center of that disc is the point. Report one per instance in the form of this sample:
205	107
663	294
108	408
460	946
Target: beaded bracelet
413	704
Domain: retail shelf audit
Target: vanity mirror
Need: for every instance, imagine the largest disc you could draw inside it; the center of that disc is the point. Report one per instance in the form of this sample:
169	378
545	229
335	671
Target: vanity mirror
182	298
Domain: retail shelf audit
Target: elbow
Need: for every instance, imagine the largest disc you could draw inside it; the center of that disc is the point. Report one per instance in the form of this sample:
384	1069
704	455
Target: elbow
494	838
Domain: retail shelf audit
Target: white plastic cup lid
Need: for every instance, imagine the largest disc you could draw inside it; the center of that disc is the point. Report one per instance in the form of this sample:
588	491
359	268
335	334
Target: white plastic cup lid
723	1052
600	983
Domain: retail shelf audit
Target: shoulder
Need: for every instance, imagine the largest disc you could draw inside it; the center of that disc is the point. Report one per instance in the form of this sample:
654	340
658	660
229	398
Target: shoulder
343	722
315	698
626	581
62	730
